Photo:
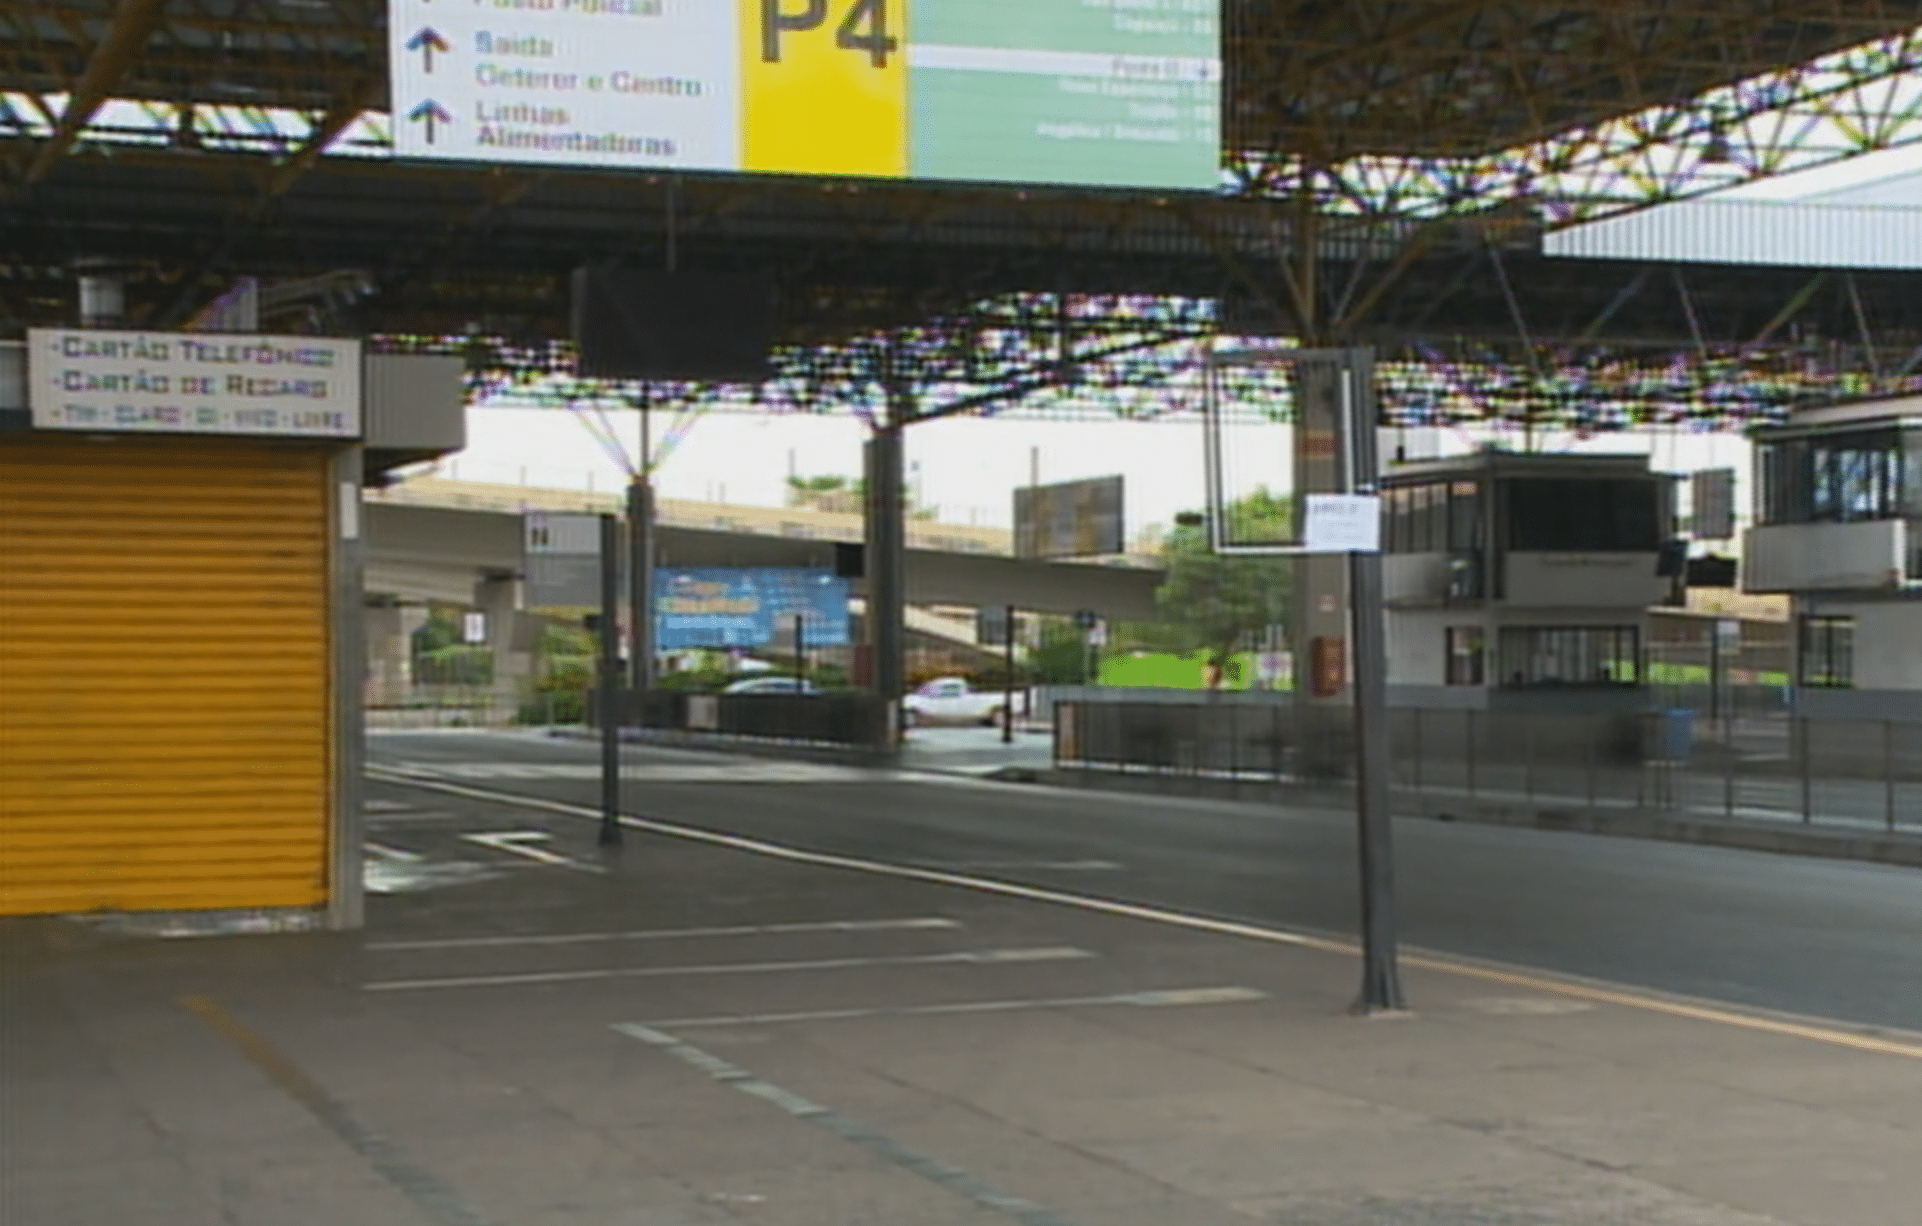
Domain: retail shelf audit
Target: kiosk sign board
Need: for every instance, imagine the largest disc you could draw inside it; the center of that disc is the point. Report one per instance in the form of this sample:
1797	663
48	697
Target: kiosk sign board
193	383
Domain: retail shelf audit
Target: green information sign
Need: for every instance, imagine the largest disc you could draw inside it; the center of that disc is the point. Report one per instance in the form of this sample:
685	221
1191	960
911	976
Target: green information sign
1103	92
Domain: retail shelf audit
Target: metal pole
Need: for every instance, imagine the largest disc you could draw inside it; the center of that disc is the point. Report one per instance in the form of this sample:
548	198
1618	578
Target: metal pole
610	681
1470	755
1728	776
800	651
1808	773
886	541
1381	980
1380	986
1528	762
640	580
1007	693
1888	772
1418	748
1594	793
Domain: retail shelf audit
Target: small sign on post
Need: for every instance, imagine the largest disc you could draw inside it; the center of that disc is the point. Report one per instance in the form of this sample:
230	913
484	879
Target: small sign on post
473	628
991	626
1342	523
561	556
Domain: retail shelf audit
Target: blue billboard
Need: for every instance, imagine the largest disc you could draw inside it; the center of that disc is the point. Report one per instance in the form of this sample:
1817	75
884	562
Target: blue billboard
718	606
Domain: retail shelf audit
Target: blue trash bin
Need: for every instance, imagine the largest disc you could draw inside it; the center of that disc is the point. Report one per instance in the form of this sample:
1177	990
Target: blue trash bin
1675	735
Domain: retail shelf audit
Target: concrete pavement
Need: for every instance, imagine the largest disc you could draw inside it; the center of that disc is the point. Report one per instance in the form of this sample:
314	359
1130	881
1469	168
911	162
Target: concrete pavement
687	1034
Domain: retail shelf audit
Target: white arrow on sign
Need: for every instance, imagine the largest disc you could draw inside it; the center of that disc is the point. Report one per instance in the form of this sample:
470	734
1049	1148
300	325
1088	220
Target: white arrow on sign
520	843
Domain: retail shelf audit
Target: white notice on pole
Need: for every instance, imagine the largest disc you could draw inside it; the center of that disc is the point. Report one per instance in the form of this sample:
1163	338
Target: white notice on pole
1343	523
473	628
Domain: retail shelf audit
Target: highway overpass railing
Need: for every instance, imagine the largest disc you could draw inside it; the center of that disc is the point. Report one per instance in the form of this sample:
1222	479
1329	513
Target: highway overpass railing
1860	774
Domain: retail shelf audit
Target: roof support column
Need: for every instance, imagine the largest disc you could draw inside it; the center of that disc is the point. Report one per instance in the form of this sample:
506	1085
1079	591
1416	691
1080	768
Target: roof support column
885	562
1324	696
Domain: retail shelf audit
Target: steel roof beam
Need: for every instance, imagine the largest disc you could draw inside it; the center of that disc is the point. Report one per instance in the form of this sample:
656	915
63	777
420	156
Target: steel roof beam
133	23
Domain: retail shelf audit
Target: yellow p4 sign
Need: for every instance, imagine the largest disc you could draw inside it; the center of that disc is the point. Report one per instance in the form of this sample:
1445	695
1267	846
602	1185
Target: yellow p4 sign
825	86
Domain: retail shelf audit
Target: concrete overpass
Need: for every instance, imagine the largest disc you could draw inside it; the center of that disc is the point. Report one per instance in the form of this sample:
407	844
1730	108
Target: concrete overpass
437	553
422	550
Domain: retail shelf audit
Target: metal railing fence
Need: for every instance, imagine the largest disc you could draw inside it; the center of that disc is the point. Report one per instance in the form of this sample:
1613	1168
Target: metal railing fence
1862	774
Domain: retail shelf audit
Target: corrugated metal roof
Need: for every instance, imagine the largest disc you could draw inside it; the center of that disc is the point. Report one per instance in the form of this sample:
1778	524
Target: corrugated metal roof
1805	233
1904	190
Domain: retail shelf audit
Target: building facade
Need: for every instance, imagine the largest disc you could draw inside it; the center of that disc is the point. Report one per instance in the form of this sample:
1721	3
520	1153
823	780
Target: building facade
1838	527
1525	582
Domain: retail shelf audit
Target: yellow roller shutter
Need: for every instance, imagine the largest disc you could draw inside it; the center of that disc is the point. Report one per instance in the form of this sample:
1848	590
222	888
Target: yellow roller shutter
164	684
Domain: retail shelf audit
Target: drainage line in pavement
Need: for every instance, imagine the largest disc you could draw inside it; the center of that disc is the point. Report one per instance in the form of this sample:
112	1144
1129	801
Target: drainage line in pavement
935	1171
387	1158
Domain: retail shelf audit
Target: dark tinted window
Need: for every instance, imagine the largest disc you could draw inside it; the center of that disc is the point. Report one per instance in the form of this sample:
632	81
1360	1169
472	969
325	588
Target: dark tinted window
1569	656
1837	478
1592	514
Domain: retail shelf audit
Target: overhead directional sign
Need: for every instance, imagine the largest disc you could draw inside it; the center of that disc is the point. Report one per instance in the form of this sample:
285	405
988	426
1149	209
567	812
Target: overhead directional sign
426	41
1096	92
431	117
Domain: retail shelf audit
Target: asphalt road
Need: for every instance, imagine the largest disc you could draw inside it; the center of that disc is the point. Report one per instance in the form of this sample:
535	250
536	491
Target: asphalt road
1820	937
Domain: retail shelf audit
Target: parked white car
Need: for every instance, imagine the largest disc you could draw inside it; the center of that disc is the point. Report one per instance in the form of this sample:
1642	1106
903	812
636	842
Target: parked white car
948	700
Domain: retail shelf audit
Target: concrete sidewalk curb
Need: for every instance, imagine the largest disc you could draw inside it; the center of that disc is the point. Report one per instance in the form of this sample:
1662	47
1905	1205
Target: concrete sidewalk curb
792	751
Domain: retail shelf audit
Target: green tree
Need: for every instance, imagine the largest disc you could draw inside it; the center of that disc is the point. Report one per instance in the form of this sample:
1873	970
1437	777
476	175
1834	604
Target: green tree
813	491
847	495
440	630
1062	656
1216	604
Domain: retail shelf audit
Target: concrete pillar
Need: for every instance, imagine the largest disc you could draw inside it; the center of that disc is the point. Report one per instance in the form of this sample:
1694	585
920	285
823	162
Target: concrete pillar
885	563
499	601
1325	724
390	652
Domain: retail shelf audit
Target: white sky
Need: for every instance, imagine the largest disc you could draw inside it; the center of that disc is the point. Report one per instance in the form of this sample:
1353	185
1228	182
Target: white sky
970	467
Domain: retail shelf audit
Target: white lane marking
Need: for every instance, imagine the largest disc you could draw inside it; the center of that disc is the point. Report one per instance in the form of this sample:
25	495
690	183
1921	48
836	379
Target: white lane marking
932	1169
664	772
394	877
1528	1006
914	924
423	817
398	855
520	843
906	872
1003	866
1142	1000
1814	1030
964	957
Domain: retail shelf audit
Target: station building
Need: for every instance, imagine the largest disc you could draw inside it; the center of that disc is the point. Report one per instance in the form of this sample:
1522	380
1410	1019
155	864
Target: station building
1525	582
1838	528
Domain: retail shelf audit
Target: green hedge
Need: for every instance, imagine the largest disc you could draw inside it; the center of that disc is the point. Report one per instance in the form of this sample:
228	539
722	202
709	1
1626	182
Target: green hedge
455	665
